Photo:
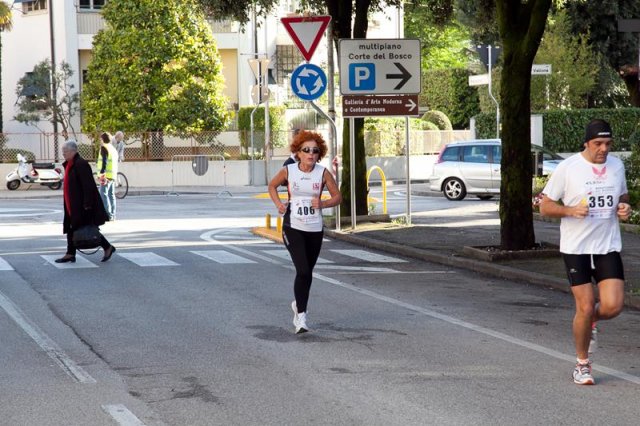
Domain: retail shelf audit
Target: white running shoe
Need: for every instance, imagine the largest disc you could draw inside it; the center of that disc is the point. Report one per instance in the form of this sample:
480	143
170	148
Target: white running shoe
299	320
593	343
582	375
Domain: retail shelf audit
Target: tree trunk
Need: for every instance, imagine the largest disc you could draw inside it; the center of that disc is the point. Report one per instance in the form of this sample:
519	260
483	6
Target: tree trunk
521	27
360	25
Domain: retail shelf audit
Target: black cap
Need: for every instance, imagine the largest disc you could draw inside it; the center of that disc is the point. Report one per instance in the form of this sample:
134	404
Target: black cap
597	129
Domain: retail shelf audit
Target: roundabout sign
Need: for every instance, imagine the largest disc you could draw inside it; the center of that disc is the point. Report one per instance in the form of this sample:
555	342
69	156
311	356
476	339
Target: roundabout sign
308	82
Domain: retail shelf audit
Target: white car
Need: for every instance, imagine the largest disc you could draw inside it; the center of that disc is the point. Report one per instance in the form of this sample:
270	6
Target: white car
473	167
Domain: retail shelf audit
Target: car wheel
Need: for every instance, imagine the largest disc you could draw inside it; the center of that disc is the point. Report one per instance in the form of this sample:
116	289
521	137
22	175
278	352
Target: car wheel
485	197
454	190
12	185
55	186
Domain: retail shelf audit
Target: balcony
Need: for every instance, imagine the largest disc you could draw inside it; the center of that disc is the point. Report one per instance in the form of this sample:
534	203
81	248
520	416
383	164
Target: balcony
224	26
89	22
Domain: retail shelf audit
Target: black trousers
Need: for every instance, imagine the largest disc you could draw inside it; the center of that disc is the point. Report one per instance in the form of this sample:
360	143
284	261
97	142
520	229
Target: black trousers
71	248
304	248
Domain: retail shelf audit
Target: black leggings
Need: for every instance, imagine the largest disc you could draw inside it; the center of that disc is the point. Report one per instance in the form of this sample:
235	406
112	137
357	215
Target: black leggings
71	248
304	248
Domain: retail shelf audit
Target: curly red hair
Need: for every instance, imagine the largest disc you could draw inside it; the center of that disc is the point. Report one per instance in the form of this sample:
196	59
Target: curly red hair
304	136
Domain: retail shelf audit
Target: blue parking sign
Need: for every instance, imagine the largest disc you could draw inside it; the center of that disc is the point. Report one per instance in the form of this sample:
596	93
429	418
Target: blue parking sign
362	76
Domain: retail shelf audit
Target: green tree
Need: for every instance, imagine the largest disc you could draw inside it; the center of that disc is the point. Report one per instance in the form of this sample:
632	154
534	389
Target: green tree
444	45
5	25
155	68
599	18
34	96
574	75
521	25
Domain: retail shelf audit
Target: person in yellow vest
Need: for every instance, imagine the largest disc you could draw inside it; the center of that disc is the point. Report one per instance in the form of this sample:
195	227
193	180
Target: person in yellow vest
107	165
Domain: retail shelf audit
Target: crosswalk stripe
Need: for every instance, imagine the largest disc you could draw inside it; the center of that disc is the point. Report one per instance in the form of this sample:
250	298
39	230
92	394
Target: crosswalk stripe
147	258
80	262
223	256
284	254
4	265
368	256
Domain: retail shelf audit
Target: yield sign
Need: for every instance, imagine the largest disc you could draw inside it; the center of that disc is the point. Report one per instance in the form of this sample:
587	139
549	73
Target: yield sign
306	32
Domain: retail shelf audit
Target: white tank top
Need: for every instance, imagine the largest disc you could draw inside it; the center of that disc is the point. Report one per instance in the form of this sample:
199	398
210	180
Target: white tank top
303	187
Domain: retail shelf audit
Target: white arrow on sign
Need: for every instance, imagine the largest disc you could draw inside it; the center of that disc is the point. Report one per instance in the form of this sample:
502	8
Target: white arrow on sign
411	105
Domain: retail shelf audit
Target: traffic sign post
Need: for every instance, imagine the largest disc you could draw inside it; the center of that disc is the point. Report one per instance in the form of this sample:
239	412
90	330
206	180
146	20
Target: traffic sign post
380	66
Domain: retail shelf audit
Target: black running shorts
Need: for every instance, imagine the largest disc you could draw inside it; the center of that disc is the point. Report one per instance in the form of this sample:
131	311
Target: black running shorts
582	268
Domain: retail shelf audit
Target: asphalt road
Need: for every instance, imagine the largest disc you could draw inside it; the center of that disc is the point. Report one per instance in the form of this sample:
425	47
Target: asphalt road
189	324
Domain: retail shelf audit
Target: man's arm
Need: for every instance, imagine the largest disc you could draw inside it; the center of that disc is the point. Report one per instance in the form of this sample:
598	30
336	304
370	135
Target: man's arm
551	208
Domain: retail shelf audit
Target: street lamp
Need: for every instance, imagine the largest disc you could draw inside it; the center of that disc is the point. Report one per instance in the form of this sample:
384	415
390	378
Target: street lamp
490	61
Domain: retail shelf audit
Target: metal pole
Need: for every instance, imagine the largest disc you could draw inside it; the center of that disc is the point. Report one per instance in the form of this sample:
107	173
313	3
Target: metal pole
334	145
352	175
253	152
492	97
267	123
54	94
408	153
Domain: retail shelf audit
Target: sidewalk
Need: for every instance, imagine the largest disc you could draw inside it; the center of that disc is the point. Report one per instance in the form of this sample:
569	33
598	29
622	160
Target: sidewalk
439	237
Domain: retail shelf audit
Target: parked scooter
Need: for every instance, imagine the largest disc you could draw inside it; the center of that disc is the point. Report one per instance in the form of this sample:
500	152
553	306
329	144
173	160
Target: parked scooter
47	174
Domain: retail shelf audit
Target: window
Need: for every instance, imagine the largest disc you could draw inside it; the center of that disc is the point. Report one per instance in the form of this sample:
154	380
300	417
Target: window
496	151
476	154
91	4
451	154
34	6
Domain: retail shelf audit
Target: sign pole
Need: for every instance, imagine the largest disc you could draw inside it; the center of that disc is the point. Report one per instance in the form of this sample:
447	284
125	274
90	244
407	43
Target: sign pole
352	175
334	147
408	154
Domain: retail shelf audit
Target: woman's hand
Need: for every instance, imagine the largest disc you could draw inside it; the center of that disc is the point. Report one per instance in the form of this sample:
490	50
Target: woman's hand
282	208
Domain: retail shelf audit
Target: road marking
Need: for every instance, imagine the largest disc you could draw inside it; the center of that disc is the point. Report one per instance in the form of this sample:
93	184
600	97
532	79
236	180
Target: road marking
80	262
446	318
4	265
334	268
147	258
284	254
223	256
122	415
9	212
49	346
368	256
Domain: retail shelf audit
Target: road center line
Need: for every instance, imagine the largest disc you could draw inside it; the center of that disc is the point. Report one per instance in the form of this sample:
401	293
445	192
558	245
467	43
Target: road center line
45	342
122	415
446	318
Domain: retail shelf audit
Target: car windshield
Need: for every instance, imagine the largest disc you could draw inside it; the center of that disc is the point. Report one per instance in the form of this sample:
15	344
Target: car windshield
548	155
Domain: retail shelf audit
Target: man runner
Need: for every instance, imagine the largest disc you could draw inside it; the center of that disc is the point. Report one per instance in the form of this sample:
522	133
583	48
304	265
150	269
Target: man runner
588	191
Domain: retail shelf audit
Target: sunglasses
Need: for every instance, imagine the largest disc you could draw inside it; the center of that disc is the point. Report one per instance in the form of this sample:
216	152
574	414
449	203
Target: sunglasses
307	150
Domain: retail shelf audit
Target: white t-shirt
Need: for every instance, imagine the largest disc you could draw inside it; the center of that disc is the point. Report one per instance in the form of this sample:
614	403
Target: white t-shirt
303	187
600	185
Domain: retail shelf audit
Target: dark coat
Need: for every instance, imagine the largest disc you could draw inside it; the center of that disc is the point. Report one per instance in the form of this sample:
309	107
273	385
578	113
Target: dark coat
86	204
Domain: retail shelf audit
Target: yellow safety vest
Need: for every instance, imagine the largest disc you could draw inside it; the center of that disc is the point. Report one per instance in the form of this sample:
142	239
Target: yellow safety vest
108	171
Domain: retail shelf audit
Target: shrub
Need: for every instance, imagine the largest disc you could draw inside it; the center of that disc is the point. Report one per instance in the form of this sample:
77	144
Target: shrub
276	125
438	118
448	90
564	129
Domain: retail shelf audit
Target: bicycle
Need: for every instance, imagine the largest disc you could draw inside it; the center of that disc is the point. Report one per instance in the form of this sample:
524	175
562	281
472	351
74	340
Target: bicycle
122	186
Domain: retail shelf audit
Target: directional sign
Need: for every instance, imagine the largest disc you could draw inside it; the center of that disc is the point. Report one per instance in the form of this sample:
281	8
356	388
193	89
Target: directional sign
367	106
479	80
379	66
540	69
259	67
257	96
308	82
306	32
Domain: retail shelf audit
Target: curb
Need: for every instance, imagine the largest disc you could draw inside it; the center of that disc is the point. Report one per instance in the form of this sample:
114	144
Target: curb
486	268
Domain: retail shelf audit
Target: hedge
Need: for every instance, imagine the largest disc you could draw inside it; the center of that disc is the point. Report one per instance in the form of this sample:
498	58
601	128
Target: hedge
276	126
10	155
448	90
563	130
